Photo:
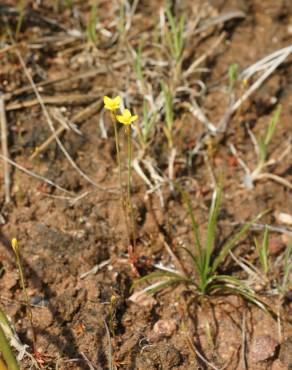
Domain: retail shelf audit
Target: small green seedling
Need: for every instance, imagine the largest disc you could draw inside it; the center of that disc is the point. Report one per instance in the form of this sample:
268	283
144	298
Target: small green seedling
147	125
206	262
174	35
169	113
122	18
232	75
21	9
138	64
264	142
263	252
91	25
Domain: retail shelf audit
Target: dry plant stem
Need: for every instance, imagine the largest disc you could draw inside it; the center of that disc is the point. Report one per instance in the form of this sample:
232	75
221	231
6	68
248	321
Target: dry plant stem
120	177
28	306
35	175
5	152
51	126
130	203
78	118
110	356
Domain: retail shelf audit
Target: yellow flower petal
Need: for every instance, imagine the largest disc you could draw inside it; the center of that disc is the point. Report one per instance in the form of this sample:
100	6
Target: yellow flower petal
126	118
134	118
112	104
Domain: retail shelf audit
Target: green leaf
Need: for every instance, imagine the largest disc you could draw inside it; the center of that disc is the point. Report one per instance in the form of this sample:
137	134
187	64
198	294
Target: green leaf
212	226
272	126
229	245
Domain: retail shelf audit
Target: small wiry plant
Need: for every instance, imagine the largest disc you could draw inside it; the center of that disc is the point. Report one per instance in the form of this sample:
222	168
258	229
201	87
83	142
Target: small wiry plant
206	263
91	25
263	252
138	65
263	143
126	118
147	125
169	113
174	35
261	146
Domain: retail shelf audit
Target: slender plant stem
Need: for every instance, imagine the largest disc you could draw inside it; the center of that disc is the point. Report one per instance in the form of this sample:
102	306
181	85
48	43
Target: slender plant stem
130	203
120	177
28	306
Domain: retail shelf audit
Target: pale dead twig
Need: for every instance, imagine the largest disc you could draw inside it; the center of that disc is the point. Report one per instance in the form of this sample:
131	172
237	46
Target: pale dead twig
276	178
76	119
219	19
268	64
4	144
198	354
204	56
110	355
171	159
69	99
256	226
252	176
86	359
95	269
35	175
67	80
243	341
51	126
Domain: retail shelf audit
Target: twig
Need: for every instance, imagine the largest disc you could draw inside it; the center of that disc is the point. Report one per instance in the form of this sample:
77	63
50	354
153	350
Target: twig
256	226
70	99
76	119
243	342
275	178
95	269
35	175
91	367
204	56
5	152
110	356
281	55
50	124
198	354
220	19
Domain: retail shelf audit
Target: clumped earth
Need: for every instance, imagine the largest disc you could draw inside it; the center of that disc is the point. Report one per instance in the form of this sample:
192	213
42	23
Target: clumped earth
64	236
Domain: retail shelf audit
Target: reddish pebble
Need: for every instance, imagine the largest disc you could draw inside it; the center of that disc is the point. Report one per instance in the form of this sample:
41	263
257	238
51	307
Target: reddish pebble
262	348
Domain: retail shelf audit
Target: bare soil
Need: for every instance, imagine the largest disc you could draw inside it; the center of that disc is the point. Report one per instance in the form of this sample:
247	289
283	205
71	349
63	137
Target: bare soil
65	235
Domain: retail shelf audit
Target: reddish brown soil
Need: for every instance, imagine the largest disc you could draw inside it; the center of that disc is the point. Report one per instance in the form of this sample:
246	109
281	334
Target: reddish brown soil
61	240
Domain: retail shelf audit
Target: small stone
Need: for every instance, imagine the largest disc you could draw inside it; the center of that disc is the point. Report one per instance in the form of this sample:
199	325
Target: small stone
162	329
263	347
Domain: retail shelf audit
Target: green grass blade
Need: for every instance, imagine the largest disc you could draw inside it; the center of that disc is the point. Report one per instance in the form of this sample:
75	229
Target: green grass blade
272	126
195	226
236	286
233	241
211	229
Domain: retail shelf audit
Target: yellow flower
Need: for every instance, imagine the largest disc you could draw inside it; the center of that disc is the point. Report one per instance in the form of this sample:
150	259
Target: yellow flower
14	244
112	104
126	118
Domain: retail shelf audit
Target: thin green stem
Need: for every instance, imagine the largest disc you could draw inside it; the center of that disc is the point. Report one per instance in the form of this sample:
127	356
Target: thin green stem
130	203
120	176
23	286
